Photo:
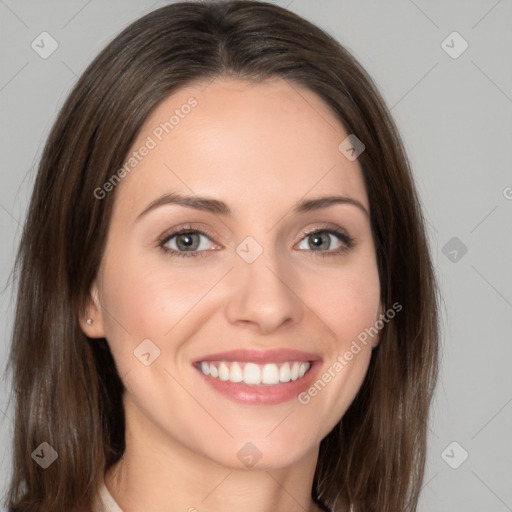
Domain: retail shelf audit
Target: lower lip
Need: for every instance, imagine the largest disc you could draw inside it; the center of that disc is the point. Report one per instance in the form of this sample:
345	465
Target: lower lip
263	395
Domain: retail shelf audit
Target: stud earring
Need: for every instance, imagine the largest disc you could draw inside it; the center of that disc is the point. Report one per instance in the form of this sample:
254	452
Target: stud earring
89	321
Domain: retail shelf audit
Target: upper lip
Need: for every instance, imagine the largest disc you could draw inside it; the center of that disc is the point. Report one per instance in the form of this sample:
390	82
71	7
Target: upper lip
280	355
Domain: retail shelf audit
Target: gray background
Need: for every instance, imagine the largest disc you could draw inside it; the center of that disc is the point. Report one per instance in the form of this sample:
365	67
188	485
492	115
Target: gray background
455	117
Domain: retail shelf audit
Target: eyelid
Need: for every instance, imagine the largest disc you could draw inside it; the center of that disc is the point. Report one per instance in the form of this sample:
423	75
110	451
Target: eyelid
186	228
347	242
341	233
345	238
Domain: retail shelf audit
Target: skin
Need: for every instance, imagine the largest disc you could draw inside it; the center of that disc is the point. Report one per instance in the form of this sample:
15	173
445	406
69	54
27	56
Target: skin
260	148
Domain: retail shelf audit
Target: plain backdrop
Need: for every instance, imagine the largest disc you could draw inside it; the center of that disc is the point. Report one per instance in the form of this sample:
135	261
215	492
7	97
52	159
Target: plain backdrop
453	106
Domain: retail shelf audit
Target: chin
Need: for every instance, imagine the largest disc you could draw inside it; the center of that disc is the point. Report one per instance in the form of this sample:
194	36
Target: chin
257	452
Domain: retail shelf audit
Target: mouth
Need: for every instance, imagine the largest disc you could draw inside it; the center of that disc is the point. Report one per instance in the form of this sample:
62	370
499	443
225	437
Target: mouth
252	374
255	377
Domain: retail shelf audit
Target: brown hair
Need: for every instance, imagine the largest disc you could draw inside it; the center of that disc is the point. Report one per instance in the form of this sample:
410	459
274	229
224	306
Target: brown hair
66	388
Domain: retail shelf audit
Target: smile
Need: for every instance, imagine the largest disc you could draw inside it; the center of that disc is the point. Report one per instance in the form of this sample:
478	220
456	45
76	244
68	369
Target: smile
258	377
253	374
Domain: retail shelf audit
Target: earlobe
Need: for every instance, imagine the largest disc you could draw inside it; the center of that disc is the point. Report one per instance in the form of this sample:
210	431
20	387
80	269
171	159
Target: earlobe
91	319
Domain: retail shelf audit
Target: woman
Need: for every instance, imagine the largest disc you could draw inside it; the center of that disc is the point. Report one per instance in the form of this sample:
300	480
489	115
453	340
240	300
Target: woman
226	297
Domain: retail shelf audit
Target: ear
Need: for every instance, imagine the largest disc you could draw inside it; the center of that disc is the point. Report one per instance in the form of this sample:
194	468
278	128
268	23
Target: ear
91	319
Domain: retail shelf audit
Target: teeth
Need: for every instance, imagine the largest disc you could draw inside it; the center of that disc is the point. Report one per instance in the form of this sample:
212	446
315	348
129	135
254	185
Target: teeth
213	371
284	373
294	373
270	374
223	371
253	374
205	368
236	374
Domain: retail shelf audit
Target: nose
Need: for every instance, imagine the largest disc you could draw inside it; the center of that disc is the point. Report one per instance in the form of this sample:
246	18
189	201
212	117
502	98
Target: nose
263	296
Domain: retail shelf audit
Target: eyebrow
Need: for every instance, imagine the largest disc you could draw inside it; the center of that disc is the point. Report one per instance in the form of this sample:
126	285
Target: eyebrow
323	202
199	203
218	207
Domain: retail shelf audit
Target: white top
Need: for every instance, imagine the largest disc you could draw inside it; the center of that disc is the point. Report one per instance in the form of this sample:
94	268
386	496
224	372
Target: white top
105	502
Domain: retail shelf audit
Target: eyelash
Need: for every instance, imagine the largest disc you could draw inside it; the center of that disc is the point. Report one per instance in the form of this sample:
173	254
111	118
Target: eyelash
182	231
346	240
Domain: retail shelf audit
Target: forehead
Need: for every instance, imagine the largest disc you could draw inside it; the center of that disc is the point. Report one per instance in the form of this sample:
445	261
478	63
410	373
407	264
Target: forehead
253	145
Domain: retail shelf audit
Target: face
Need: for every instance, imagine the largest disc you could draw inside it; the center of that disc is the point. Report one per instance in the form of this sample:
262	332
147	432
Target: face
238	271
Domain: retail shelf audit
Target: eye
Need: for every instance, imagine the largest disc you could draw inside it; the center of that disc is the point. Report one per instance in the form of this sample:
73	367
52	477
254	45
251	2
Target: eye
326	240
187	242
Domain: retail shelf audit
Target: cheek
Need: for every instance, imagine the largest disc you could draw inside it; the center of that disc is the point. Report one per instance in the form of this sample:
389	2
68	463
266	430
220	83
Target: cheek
347	313
149	299
349	306
349	301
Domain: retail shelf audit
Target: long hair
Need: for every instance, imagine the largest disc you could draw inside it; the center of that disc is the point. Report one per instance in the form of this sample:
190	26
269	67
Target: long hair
66	389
